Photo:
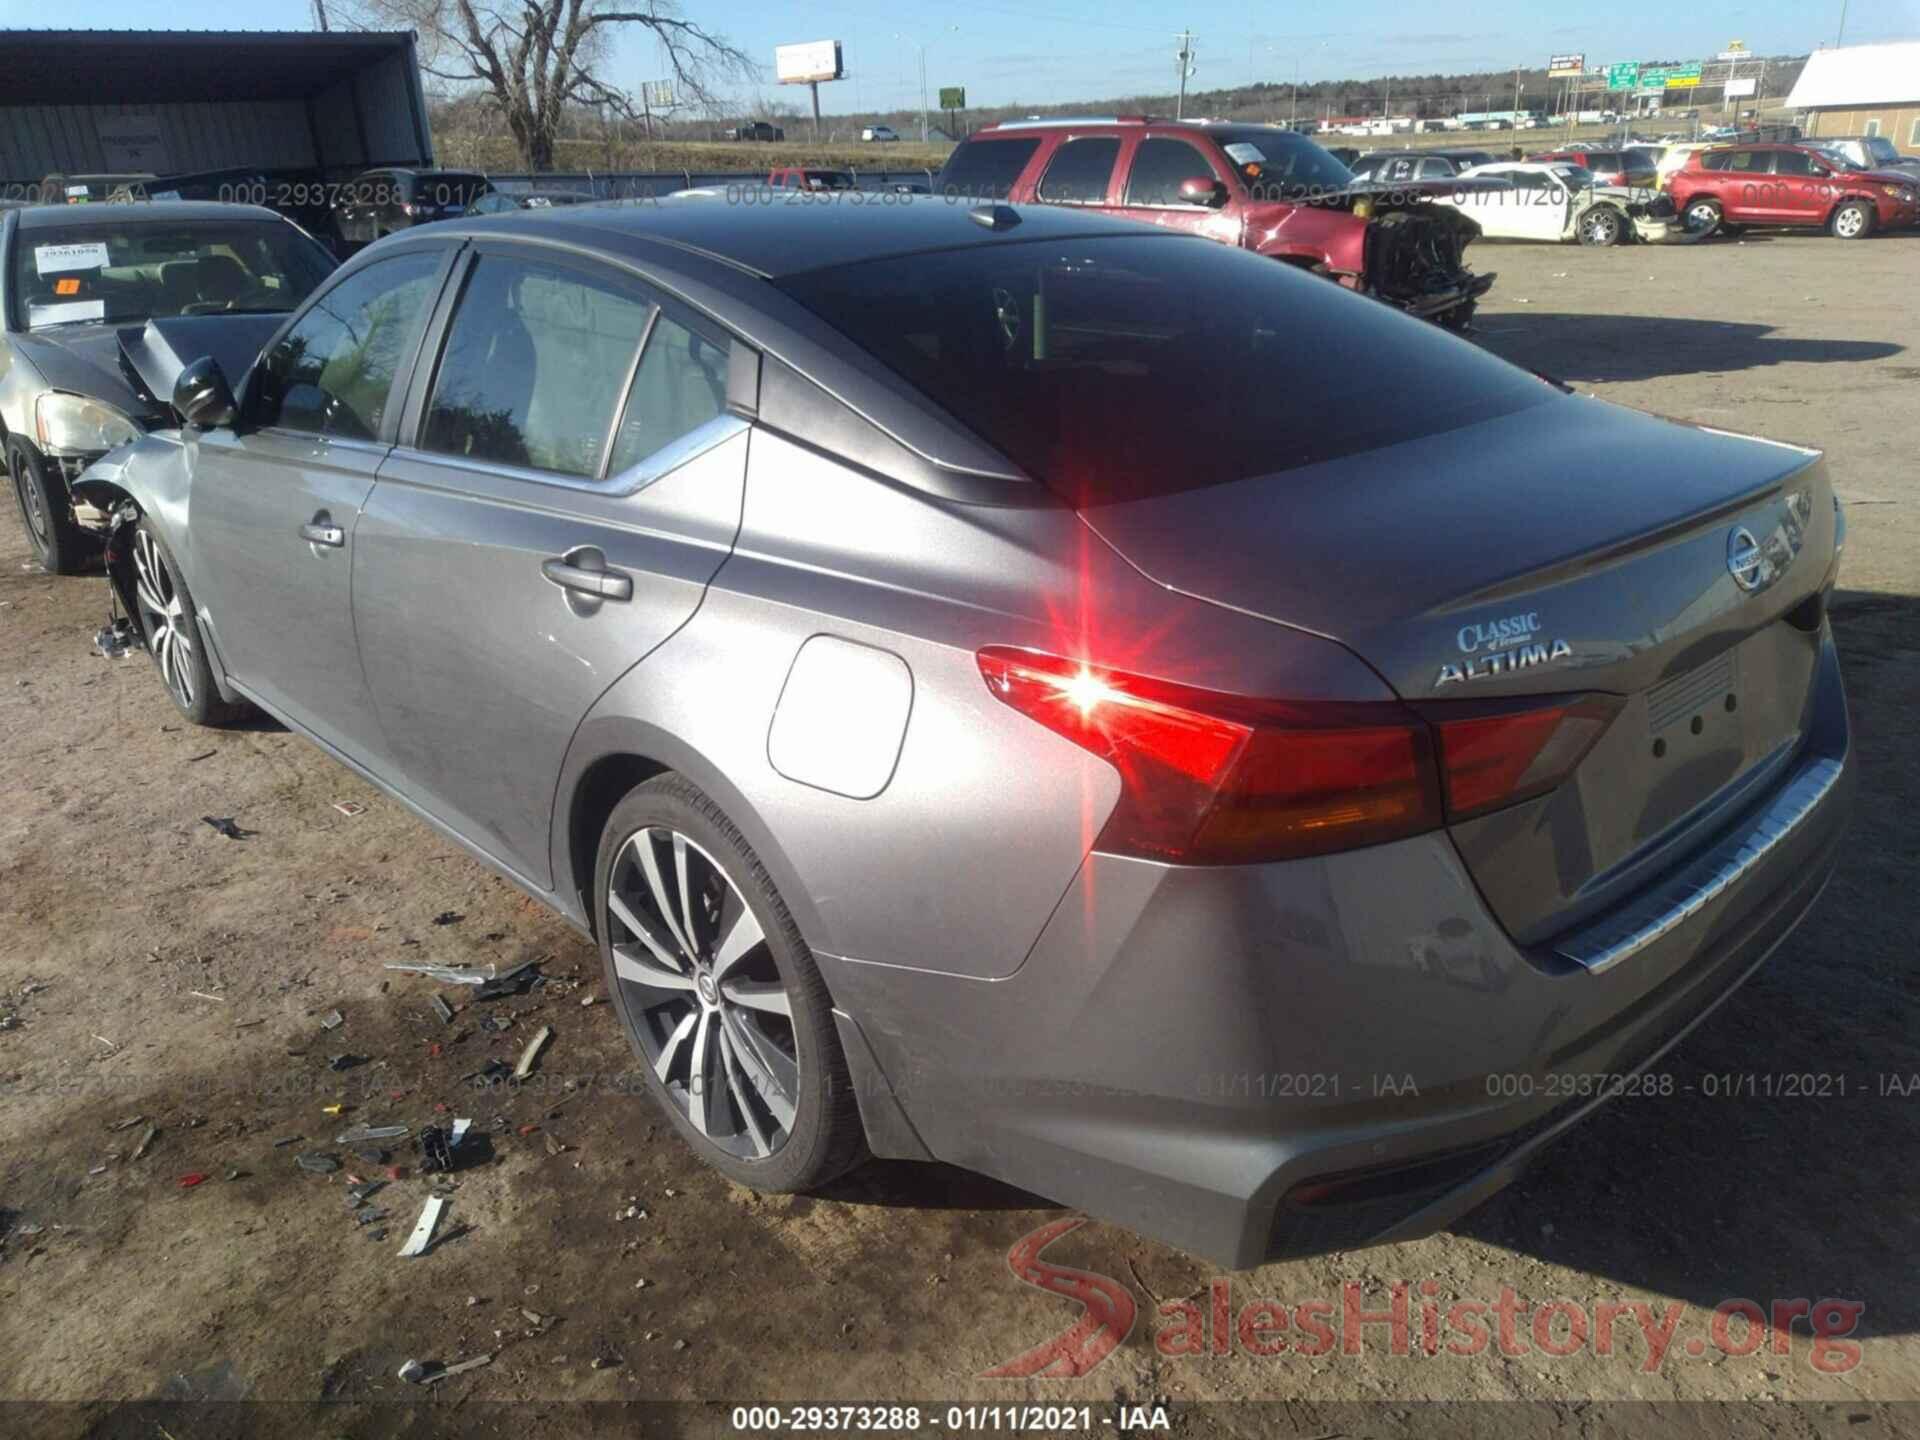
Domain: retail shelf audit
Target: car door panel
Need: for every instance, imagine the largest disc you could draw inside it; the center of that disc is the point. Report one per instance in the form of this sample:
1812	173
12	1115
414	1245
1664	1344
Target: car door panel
557	514
480	665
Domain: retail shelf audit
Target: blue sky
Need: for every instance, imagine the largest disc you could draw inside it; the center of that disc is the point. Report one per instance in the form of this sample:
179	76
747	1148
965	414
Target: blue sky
1054	50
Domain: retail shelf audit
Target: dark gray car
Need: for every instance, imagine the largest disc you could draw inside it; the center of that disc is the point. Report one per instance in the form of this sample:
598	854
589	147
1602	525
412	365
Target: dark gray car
73	280
996	689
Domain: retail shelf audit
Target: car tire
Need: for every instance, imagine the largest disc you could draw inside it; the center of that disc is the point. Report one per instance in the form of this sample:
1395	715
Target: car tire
1701	217
1603	225
46	510
1459	319
171	626
1851	221
773	1108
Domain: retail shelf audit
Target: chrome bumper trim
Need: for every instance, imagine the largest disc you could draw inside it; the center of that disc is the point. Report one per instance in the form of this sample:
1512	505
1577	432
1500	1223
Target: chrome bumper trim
1673	902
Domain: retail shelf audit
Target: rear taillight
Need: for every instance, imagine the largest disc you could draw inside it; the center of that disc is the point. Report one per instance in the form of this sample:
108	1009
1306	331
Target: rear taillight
1211	779
1494	757
1214	779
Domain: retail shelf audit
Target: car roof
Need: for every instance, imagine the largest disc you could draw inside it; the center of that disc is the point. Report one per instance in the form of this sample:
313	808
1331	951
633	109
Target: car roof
778	240
48	217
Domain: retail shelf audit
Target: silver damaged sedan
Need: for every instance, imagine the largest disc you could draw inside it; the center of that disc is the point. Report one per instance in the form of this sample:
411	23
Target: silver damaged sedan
1020	689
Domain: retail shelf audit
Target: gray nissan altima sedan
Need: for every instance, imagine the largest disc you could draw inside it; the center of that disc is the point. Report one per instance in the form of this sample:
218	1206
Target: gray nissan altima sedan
1017	688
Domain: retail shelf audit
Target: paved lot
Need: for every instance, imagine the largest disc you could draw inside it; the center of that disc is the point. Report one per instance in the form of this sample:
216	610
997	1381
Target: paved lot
154	968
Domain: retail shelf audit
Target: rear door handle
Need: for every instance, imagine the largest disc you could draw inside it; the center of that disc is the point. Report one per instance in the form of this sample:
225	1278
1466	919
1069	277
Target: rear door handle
320	531
587	580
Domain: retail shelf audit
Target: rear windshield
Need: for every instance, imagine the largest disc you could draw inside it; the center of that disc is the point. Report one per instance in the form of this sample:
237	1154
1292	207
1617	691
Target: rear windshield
985	169
1115	369
142	270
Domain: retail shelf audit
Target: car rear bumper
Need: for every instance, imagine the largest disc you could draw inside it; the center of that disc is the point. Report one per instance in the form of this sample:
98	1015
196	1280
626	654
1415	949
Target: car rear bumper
1266	1061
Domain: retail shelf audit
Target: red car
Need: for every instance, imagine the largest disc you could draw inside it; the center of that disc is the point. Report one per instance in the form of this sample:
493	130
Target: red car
1610	167
1737	185
1257	186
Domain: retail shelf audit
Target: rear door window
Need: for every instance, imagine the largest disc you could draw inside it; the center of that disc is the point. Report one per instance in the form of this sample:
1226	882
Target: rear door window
1792	162
986	169
534	364
681	385
1080	170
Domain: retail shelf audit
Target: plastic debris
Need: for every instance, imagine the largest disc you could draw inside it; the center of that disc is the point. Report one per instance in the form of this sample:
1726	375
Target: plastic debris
333	1020
316	1162
435	1153
422	1238
532	1052
345	1062
450	974
117	640
413	1372
224	824
187	1182
458	1133
146	1139
334	1110
349	808
362	1133
128	1123
448	917
287	1140
514	981
443	1010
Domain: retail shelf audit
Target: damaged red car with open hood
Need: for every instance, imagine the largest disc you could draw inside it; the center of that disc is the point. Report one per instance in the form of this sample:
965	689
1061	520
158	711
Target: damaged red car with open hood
1262	187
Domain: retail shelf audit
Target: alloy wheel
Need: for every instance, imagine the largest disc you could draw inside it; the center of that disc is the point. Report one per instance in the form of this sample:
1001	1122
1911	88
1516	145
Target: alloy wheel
1702	217
1602	228
1849	223
714	1017
163	617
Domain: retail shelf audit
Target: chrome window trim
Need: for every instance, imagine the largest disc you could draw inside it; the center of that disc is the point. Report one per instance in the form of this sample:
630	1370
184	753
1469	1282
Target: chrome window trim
1677	900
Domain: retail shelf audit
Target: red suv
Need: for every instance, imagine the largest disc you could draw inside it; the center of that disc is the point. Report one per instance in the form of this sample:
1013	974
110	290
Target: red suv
1633	169
1257	186
1737	185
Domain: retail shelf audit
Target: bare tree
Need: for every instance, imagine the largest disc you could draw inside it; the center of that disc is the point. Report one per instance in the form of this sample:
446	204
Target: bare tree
538	58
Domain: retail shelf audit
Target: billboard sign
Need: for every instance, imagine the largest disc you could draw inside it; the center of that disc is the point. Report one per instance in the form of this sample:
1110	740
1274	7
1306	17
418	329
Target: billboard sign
1740	89
1562	67
1624	76
809	63
953	97
657	94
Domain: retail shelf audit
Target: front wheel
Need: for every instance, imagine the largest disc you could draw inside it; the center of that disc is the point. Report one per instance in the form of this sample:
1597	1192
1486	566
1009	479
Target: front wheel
719	994
1852	221
171	626
1602	225
59	544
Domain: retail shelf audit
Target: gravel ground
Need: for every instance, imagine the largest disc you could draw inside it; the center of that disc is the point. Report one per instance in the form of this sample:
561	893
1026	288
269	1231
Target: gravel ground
159	974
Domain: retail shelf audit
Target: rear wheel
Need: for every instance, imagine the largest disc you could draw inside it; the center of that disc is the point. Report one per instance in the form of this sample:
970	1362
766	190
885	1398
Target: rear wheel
1701	217
1852	221
719	994
46	510
1602	225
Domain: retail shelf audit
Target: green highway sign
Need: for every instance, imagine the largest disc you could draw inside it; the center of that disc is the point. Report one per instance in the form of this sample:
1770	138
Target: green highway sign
1654	77
953	97
1684	77
1623	76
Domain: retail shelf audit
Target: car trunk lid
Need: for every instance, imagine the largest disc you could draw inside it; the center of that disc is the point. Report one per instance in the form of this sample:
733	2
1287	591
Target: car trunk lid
1568	548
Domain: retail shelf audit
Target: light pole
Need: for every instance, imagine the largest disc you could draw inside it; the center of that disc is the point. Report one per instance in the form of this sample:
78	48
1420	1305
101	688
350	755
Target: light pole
922	52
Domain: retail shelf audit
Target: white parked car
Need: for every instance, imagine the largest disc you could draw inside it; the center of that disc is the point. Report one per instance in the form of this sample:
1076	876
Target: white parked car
1558	202
879	132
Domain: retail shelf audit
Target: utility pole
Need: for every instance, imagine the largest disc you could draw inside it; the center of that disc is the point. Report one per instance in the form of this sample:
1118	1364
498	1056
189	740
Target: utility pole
1841	38
320	16
1185	58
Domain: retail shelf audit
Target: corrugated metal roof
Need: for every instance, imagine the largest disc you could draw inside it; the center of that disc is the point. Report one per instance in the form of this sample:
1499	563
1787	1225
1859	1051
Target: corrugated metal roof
113	67
1859	75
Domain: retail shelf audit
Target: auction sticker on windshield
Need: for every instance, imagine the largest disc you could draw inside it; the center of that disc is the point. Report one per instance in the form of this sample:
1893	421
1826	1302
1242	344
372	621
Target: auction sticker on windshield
61	259
66	314
1242	153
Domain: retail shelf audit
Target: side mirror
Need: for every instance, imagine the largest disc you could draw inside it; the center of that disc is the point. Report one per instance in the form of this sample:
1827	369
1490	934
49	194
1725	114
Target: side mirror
1203	190
202	396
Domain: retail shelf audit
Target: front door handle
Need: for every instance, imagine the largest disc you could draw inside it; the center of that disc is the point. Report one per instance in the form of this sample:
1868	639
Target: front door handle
587	578
322	531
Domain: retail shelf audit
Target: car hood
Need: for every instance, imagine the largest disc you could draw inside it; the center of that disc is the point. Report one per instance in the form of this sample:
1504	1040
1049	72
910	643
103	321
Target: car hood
85	360
133	367
1884	176
157	352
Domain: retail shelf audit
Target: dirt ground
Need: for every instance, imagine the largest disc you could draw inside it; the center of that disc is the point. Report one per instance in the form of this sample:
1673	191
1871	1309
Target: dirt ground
154	968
